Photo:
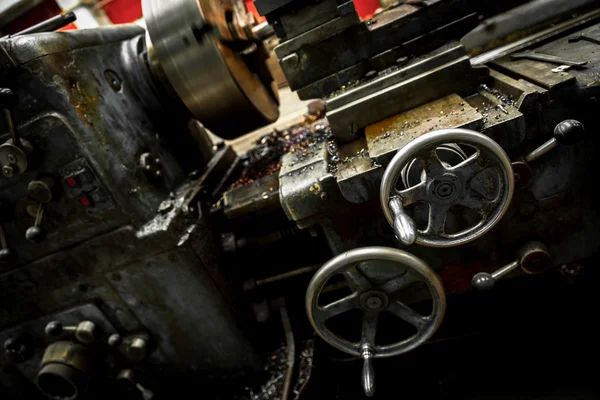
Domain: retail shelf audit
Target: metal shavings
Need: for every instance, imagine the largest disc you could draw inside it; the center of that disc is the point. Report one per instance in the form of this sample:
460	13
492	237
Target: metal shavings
265	158
508	100
305	364
277	367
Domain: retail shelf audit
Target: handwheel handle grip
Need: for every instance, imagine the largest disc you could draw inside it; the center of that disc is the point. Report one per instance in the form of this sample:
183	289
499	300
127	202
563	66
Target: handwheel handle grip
405	228
368	373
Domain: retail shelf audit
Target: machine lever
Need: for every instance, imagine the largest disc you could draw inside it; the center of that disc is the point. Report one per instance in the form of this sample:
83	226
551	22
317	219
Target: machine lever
531	55
368	373
533	258
8	101
35	233
405	228
567	132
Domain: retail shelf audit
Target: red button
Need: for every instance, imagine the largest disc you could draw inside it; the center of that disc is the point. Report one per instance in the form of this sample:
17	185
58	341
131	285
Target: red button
85	201
71	182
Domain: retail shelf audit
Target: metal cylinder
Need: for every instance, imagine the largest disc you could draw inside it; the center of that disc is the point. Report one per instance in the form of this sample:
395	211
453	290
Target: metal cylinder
63	372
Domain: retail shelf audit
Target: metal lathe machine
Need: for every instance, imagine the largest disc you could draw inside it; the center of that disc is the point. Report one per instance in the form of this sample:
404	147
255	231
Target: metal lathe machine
428	229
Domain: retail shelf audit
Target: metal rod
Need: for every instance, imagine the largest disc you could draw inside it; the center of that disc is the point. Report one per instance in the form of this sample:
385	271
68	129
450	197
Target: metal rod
505	270
533	39
287	275
39	215
540	151
11	128
291	355
50	25
3	237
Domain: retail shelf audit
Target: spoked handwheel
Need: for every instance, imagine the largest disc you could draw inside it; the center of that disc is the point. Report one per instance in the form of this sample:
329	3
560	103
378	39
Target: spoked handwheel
366	270
483	183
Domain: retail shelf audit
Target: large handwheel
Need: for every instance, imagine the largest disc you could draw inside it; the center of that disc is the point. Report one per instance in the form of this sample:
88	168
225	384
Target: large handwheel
484	183
372	297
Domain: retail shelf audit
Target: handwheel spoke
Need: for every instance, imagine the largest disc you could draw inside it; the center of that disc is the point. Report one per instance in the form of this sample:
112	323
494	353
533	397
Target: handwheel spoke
369	328
413	194
409	315
432	165
357	279
393	285
470	167
437	219
473	200
338	307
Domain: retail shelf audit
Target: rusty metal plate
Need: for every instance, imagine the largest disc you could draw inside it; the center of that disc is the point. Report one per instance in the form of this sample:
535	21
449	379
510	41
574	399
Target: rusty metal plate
537	72
388	136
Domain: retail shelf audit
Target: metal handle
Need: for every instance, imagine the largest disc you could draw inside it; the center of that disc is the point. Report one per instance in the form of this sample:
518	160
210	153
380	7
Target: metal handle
567	132
486	281
35	233
405	228
533	258
368	373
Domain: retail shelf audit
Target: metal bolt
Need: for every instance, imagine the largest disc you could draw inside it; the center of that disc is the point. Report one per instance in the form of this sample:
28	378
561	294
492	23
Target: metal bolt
8	171
137	349
85	332
11	159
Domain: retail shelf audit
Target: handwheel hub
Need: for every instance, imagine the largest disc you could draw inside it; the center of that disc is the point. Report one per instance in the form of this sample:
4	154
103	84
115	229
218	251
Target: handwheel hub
374	300
446	188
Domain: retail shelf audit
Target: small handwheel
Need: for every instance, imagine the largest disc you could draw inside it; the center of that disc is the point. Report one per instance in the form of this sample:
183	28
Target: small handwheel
376	275
484	183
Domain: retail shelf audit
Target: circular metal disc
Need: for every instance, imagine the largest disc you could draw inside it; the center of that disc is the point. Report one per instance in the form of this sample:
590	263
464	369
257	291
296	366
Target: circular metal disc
198	45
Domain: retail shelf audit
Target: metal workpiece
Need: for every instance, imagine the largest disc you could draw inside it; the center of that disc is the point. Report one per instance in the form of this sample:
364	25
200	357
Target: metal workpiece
484	183
193	44
533	258
418	83
374	275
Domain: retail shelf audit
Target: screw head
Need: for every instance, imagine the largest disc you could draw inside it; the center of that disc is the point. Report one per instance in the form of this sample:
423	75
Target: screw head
11	159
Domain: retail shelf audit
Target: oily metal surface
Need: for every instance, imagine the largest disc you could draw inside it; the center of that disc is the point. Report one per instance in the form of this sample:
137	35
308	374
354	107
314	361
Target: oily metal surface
188	38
